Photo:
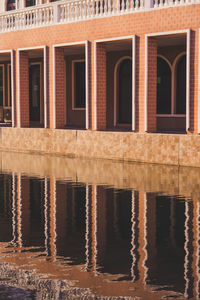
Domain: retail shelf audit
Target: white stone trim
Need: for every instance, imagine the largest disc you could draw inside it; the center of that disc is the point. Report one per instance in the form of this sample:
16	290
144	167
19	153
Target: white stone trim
146	86
18	90
54	86
134	83
188	80
199	86
87	58
45	88
95	85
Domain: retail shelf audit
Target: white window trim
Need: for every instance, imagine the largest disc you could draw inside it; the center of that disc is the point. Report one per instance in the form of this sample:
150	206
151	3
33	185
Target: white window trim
73	87
116	123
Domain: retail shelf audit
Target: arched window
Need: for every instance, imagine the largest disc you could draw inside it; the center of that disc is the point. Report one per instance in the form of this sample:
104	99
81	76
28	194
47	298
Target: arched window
181	85
11	5
30	3
163	87
124	92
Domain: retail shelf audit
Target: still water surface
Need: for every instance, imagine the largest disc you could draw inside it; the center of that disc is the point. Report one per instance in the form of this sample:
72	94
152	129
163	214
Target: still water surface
65	239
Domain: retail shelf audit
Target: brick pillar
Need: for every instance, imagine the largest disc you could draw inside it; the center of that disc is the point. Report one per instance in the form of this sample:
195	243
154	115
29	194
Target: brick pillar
100	87
152	85
60	99
23	114
13	88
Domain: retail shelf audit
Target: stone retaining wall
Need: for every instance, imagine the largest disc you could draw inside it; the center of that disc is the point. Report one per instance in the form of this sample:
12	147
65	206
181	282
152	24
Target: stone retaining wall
183	150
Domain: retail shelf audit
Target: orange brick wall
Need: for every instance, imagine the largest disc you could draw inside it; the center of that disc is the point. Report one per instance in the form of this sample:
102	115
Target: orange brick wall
140	23
24	88
60	87
101	86
152	85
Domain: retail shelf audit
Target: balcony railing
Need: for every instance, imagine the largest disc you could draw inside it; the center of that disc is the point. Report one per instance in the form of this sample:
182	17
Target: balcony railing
66	11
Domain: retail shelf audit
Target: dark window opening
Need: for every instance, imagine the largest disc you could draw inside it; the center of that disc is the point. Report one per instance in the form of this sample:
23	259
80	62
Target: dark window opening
181	86
30	3
125	92
79	84
11	5
34	92
163	87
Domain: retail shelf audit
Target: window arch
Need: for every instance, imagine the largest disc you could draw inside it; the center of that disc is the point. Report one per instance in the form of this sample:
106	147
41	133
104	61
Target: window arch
123	91
164	101
11	5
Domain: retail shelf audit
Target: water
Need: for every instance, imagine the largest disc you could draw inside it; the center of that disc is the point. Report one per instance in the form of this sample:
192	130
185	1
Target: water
77	229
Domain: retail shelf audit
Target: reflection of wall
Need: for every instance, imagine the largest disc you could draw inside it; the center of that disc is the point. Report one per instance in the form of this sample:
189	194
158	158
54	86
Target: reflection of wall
151	234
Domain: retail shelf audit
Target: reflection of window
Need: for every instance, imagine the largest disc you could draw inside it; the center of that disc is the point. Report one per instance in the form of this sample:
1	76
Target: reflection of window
78	84
30	3
11	5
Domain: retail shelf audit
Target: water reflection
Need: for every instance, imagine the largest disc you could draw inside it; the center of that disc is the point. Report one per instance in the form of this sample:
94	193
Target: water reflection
73	240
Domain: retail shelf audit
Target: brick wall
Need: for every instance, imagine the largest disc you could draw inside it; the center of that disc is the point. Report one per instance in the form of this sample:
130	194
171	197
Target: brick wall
60	87
23	89
140	23
100	86
152	85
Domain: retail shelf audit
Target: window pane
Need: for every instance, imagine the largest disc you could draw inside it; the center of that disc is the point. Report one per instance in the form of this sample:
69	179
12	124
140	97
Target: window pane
181	86
125	92
163	87
79	84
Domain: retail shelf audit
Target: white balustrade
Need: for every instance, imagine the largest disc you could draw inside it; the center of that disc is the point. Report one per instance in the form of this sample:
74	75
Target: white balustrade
74	10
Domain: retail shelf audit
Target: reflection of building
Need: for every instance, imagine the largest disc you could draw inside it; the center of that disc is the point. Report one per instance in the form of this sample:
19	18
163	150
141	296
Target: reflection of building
70	65
135	237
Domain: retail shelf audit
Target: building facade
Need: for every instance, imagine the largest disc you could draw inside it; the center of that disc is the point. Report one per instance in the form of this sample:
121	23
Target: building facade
116	66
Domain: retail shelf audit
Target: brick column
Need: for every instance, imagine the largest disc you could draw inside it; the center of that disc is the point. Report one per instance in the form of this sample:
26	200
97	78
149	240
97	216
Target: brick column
60	99
100	87
152	86
23	93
